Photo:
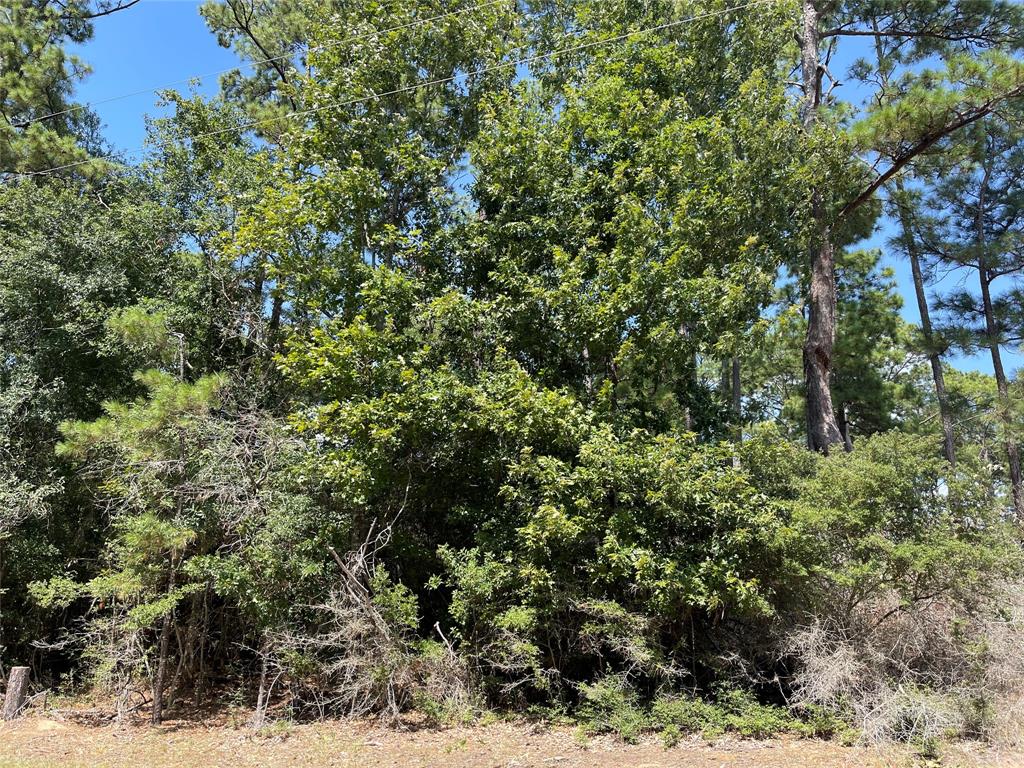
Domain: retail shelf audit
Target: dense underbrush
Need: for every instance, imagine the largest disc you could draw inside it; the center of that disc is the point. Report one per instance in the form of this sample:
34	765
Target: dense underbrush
632	584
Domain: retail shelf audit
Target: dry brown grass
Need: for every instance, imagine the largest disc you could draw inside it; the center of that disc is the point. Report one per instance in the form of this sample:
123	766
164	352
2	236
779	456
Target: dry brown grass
46	743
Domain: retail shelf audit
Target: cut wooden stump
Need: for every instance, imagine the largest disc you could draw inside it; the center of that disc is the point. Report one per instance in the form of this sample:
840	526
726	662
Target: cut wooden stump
17	687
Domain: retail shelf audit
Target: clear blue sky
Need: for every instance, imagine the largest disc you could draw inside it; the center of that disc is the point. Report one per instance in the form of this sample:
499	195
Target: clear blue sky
154	43
159	42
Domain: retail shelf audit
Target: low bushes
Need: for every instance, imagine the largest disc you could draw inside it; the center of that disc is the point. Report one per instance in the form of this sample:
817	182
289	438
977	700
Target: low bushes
611	705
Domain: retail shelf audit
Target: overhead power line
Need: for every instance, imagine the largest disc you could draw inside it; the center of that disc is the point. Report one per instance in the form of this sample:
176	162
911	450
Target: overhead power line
423	84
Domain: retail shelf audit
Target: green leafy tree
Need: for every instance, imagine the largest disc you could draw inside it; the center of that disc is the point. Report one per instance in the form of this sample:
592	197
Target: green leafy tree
480	354
70	255
208	174
70	252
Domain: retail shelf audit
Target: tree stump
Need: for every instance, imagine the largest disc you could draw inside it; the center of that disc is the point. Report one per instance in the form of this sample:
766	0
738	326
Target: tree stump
17	687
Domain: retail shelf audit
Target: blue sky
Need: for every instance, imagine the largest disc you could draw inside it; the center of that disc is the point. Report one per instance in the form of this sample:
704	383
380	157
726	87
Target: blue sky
154	43
162	42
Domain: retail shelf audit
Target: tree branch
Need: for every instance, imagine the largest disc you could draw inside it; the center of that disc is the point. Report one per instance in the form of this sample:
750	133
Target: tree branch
99	12
925	143
907	33
245	25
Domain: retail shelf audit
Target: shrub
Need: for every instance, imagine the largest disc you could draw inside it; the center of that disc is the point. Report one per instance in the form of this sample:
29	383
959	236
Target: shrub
919	673
611	705
607	563
363	657
732	710
907	628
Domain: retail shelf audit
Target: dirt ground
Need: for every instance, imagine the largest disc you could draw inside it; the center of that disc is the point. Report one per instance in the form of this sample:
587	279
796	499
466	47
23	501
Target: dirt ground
40	742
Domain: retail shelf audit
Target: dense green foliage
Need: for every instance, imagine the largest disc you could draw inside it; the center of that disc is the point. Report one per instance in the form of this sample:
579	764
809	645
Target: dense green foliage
456	362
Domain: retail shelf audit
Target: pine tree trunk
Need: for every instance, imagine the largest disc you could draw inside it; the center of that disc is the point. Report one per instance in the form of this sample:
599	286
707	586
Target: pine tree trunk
822	428
1012	450
934	358
992	339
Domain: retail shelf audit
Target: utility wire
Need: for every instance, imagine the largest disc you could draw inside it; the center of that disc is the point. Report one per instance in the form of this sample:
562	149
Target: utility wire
258	62
422	84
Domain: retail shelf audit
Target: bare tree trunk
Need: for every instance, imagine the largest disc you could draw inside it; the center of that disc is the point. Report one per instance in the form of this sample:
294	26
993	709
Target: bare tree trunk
187	641
263	698
992	337
17	687
1012	450
2	647
165	645
737	395
252	327
822	428
844	427
275	314
910	246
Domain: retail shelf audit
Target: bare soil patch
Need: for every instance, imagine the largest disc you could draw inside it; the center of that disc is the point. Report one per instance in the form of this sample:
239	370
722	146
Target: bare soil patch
44	743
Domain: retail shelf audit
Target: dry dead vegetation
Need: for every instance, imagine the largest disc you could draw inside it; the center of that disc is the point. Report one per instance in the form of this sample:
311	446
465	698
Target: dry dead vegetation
47	743
876	668
919	673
